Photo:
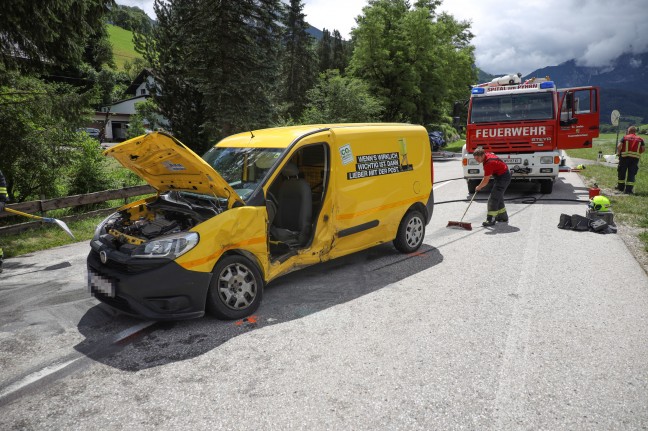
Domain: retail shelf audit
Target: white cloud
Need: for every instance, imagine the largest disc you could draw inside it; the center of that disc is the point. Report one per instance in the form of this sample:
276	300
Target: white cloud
517	36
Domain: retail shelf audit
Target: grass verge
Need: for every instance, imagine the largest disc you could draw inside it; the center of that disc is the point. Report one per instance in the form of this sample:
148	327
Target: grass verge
632	210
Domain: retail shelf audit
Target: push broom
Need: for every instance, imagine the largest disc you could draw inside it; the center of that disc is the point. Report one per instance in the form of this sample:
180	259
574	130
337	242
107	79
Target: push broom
461	224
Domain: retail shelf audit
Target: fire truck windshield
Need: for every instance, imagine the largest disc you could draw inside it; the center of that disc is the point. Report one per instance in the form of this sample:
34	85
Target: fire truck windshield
512	107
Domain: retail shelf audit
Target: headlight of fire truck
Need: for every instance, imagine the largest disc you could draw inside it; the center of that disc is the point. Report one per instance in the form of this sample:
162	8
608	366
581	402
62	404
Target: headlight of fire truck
546	160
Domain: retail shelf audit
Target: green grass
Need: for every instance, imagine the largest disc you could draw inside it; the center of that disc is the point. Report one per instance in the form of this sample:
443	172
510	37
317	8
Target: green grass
48	236
628	209
123	47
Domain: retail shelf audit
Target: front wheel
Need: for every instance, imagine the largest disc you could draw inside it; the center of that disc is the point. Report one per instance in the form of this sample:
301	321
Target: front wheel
411	232
236	288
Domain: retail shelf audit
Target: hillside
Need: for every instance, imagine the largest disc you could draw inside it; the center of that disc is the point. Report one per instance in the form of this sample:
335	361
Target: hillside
123	48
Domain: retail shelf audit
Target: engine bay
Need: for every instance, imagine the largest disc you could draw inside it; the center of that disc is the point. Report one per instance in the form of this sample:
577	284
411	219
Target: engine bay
166	214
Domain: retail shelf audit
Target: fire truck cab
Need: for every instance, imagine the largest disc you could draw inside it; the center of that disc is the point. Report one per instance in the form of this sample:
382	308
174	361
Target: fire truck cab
528	125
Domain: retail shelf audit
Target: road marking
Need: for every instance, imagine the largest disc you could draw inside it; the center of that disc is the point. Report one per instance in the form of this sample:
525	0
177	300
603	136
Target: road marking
34	377
121	338
440	185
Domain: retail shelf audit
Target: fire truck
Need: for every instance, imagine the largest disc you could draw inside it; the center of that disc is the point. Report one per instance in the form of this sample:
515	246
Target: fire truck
528	125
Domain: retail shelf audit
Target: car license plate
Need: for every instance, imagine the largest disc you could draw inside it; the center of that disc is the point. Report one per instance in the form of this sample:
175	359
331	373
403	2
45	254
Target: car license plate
512	161
101	284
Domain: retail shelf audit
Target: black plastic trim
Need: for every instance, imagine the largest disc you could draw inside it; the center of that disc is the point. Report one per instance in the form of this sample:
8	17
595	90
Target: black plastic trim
359	228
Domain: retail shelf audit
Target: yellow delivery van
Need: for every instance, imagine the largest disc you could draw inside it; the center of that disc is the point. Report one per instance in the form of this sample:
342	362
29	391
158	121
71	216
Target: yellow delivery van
257	205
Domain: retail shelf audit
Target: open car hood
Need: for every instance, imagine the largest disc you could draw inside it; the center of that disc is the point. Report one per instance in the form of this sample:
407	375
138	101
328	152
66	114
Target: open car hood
167	164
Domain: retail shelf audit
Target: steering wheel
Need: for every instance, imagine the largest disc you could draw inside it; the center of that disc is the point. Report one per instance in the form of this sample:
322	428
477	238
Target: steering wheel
272	198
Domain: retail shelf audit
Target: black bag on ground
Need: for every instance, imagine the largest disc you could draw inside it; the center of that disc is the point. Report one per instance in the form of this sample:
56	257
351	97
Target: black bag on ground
598	225
565	222
580	223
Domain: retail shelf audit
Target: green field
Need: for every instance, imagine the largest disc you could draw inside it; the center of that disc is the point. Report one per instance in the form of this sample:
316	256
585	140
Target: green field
122	43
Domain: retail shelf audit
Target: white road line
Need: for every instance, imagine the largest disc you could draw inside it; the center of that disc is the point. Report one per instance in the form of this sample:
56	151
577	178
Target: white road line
51	369
440	185
34	377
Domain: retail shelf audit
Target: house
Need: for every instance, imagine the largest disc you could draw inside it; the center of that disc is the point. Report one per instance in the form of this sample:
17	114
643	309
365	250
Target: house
114	119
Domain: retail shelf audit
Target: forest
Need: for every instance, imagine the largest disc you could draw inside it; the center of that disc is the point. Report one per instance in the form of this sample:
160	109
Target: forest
220	68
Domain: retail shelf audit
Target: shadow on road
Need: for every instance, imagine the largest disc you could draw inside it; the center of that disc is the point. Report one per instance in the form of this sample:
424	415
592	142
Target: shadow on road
290	297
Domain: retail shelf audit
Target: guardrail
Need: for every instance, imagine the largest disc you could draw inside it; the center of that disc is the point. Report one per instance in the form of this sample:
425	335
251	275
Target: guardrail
42	206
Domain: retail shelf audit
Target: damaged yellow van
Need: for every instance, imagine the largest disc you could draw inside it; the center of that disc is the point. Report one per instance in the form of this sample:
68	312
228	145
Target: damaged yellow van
257	205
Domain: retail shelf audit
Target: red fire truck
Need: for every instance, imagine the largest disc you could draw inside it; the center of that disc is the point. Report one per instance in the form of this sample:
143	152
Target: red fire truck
528	125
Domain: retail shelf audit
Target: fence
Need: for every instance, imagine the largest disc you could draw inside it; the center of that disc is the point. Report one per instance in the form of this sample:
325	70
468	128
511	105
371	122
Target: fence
40	207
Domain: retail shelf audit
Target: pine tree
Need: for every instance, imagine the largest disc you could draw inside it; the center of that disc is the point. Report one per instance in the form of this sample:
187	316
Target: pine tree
298	60
167	49
50	33
325	51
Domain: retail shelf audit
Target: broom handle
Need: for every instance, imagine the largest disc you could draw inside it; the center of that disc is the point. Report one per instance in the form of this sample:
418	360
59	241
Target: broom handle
471	199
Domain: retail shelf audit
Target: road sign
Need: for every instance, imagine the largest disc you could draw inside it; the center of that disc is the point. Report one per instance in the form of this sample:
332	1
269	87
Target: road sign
615	117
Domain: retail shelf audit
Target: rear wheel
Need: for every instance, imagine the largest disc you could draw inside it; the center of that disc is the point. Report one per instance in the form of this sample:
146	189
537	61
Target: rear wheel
411	232
236	288
546	187
472	185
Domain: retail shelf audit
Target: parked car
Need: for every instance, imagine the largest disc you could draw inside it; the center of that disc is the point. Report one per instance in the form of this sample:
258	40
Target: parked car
94	133
436	140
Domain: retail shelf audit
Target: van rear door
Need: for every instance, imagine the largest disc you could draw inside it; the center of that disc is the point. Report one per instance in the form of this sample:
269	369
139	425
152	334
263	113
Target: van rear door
578	117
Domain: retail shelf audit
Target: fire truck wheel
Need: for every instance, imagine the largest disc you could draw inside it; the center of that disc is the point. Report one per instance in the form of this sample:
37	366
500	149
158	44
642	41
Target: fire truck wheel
411	232
546	187
472	184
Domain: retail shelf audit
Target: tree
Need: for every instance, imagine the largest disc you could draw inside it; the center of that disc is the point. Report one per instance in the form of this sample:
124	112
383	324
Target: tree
234	56
167	49
298	60
324	51
38	34
38	134
416	61
338	99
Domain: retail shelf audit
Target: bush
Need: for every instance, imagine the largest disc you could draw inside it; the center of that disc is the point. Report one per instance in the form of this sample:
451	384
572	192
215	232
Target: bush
88	171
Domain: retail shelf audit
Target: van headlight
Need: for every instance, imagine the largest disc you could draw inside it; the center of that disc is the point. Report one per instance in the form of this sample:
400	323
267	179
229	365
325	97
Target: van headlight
101	227
169	247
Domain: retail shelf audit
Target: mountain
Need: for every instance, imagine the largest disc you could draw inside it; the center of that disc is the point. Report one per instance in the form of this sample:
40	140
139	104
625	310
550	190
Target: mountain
624	84
315	32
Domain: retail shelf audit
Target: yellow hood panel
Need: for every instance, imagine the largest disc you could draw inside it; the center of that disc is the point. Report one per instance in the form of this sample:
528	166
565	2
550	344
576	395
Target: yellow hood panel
167	164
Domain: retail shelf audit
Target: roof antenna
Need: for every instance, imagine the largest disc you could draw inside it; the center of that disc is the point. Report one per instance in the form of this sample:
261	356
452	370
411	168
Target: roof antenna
252	134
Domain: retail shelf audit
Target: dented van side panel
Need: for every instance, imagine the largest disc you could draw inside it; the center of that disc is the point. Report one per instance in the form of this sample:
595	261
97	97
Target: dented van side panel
378	177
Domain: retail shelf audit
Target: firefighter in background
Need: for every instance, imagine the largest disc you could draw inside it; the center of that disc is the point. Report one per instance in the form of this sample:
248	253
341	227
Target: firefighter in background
496	168
3	201
629	151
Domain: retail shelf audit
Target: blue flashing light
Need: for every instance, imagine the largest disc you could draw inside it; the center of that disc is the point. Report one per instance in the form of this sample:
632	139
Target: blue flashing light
478	90
548	84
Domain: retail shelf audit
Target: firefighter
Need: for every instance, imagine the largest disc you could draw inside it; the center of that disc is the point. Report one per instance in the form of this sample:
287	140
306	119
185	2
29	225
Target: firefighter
3	201
496	168
629	151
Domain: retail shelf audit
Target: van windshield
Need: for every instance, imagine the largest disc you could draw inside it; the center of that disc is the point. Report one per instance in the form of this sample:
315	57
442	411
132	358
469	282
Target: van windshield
243	168
512	107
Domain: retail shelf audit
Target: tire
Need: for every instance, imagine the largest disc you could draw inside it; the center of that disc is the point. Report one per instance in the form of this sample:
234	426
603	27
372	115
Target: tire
472	184
546	187
411	232
236	288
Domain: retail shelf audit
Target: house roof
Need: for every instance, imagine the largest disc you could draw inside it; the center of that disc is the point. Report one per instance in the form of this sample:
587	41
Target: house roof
145	73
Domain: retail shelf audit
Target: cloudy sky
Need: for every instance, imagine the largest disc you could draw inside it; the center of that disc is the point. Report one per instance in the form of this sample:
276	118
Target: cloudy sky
517	36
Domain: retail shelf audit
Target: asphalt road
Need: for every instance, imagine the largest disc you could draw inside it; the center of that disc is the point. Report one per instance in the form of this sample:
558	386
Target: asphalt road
519	326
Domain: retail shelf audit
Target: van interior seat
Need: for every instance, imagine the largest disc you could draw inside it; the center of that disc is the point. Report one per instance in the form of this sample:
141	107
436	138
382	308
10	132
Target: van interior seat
292	222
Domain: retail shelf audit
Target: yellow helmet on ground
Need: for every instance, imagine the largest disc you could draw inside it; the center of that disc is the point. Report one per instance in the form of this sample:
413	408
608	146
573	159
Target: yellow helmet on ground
600	203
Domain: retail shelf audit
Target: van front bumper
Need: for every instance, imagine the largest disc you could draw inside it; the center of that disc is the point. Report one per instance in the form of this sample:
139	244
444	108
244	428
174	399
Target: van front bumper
157	290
